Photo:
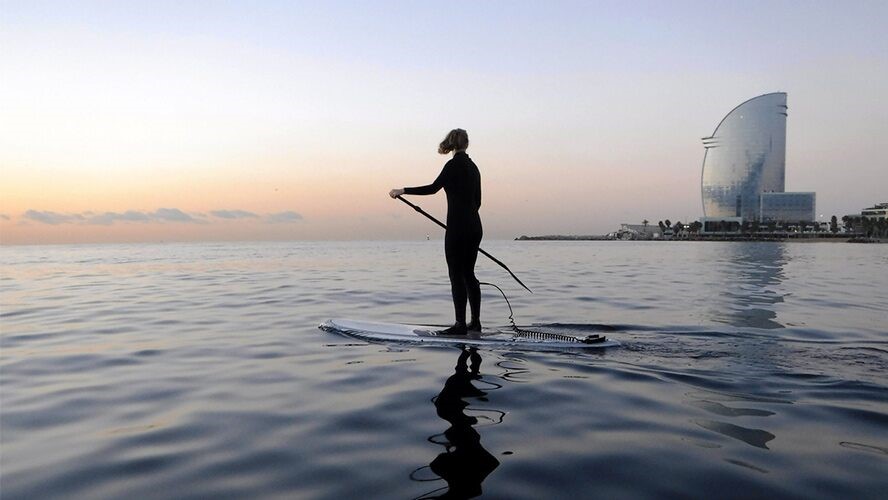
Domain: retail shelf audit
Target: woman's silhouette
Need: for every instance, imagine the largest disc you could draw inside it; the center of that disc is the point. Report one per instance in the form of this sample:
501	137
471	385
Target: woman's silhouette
461	181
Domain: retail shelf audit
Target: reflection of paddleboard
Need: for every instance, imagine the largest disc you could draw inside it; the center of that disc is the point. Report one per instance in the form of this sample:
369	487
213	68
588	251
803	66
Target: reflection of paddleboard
419	334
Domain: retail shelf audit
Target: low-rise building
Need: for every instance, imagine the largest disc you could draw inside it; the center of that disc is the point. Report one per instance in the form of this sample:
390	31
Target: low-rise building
721	225
787	207
642	230
879	211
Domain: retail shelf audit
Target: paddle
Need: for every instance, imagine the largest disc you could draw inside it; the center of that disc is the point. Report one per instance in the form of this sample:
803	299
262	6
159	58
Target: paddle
491	257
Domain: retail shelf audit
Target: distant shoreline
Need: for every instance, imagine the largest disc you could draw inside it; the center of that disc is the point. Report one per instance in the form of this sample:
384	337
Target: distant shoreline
560	237
802	238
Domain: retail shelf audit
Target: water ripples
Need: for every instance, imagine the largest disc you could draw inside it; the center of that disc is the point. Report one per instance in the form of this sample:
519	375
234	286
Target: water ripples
195	371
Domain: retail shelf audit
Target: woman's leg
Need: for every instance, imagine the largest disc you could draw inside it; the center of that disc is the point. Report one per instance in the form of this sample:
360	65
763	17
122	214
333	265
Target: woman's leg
455	254
473	288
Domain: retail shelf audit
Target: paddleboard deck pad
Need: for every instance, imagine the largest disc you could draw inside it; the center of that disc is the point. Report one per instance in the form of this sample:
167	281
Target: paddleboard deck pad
489	337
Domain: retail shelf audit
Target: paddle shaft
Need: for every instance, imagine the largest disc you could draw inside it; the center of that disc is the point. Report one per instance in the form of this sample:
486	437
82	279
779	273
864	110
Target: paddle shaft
491	257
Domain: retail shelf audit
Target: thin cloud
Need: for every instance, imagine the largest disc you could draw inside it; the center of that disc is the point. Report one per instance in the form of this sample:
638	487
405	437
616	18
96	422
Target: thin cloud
173	215
282	217
51	218
4	217
108	218
233	214
161	215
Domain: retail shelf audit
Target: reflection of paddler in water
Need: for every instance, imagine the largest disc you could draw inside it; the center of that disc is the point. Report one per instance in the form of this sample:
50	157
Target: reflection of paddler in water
466	463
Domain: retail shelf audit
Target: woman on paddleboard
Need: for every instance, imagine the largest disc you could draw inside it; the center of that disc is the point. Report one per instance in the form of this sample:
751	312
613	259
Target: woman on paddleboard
461	181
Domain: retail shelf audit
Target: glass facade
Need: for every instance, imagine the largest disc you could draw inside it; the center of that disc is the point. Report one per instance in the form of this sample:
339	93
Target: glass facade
787	207
744	157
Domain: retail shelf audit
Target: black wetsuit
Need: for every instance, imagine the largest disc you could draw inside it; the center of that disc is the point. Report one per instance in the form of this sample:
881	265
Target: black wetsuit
461	181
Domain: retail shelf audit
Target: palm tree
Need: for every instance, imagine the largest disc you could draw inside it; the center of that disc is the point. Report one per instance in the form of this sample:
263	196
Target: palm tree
833	225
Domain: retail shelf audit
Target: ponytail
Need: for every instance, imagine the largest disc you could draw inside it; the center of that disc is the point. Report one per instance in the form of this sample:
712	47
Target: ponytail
457	139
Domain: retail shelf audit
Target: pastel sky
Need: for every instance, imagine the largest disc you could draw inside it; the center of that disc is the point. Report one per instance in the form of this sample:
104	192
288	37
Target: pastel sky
166	121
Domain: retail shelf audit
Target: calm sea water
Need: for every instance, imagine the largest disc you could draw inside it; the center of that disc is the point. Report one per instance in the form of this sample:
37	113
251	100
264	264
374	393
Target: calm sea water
198	371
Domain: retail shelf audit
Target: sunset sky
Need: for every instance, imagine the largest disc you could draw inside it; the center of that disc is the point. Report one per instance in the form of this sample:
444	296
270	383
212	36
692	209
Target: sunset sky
169	121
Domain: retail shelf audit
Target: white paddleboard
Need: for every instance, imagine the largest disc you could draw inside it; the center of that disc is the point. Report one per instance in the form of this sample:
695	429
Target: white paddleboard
424	334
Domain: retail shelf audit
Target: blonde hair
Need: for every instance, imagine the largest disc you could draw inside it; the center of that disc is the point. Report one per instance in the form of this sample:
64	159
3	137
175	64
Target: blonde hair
457	139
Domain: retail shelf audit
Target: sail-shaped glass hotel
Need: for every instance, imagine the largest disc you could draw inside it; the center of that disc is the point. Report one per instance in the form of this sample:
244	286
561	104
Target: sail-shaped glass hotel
744	157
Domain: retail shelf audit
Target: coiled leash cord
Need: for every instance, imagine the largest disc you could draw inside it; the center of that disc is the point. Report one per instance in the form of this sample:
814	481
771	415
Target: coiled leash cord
535	335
